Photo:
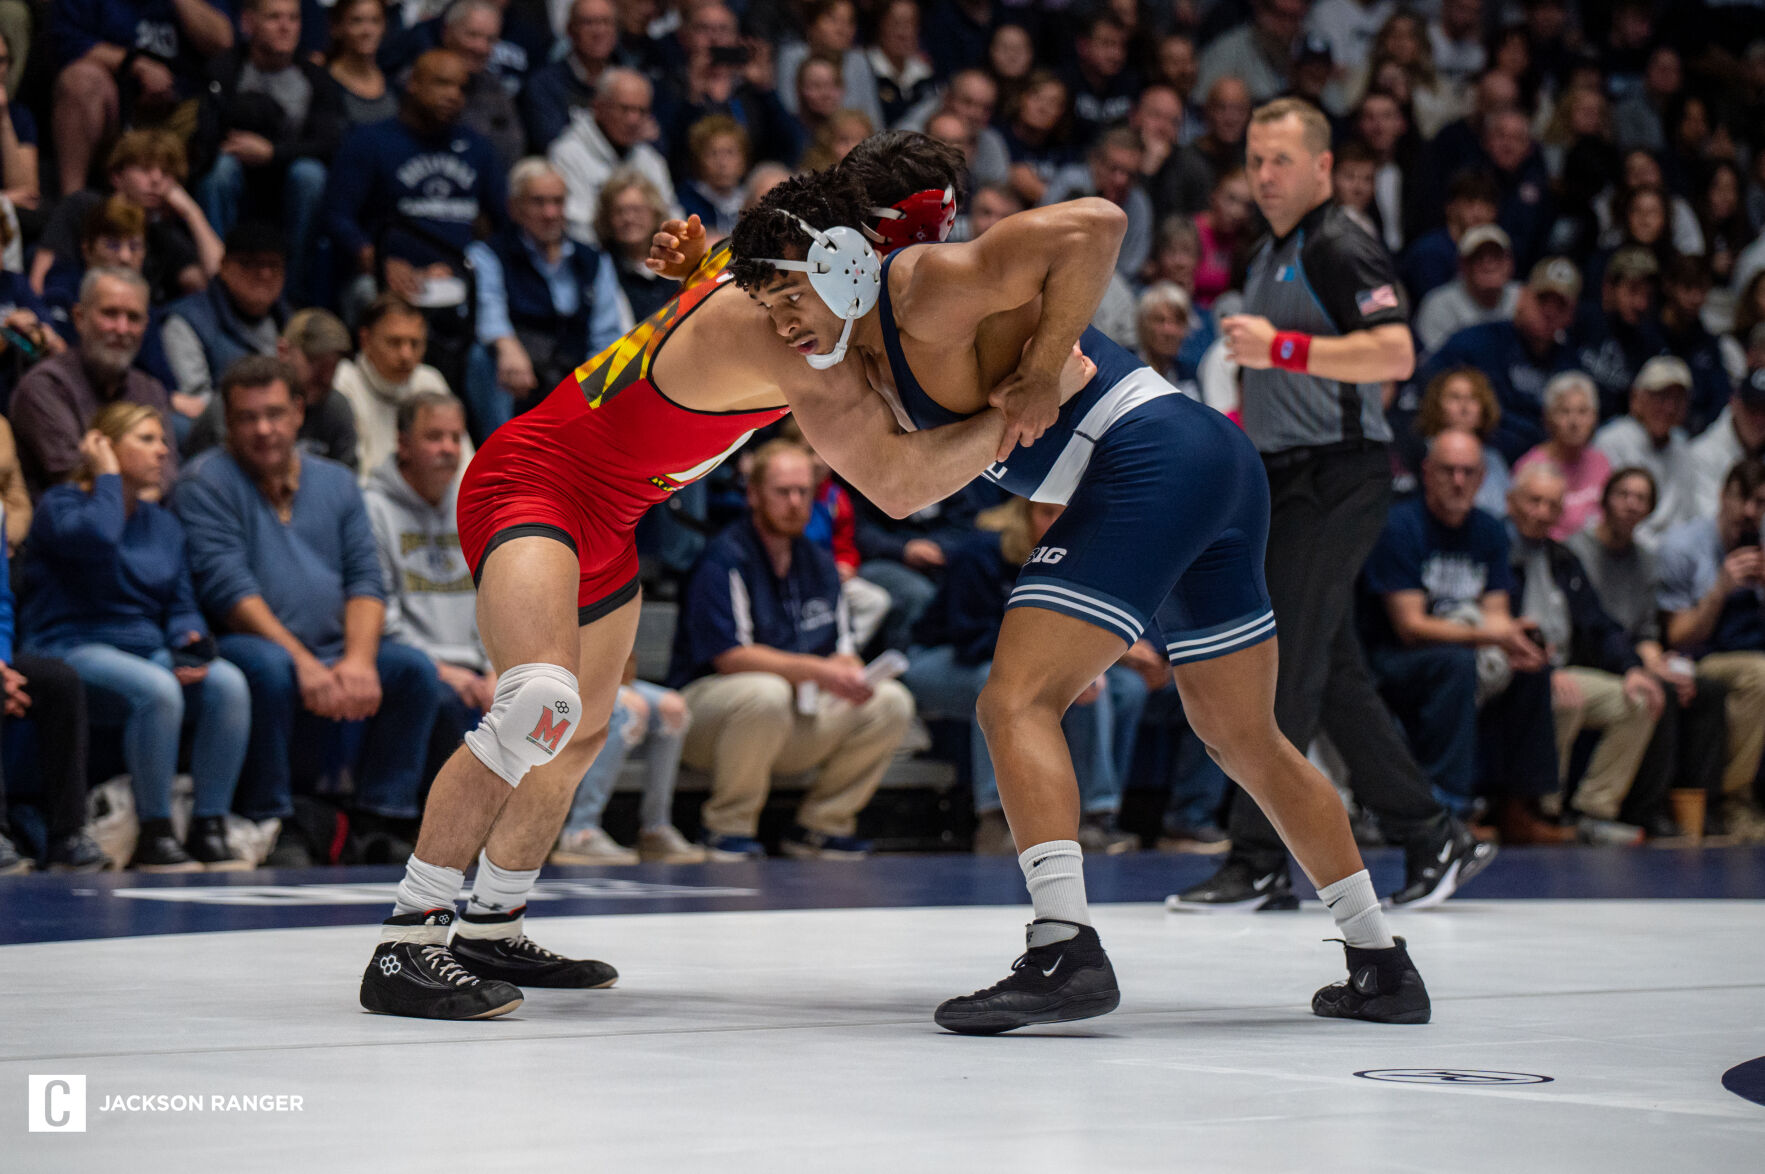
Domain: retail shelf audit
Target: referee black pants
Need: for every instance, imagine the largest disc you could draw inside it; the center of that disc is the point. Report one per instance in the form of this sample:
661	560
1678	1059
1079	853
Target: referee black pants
1326	515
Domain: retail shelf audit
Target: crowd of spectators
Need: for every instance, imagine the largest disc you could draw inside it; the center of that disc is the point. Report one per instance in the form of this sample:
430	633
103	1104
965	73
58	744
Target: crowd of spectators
270	268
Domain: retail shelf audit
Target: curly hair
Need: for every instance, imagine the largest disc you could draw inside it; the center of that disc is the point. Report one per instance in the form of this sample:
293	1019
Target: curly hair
895	164
822	199
1431	418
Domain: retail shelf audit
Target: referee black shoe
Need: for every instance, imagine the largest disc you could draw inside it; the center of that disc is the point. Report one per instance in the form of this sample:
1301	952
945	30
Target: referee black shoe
1437	866
1240	886
414	973
1052	983
1383	986
493	946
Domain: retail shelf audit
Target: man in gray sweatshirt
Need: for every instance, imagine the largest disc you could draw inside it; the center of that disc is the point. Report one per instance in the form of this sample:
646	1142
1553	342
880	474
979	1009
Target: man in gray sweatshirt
430	602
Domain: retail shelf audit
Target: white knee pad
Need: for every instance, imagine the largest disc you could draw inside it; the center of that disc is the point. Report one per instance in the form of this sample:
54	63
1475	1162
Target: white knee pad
535	711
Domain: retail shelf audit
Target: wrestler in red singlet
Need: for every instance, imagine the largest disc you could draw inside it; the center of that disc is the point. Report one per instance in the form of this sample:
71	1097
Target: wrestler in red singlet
605	446
607	443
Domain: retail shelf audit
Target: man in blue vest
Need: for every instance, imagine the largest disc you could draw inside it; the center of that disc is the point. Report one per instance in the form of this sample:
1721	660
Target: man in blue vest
545	303
239	314
765	658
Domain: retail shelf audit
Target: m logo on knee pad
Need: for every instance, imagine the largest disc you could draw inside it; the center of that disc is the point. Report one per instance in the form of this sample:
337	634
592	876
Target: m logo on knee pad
547	733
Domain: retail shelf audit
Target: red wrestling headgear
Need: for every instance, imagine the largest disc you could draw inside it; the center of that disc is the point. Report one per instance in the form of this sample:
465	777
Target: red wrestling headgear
922	217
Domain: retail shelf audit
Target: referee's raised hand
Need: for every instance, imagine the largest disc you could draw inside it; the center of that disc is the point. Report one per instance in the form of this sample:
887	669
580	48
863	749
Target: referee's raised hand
1248	339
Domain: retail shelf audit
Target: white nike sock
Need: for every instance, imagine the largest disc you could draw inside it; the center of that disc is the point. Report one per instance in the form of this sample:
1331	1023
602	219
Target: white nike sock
499	890
1356	910
428	886
1055	875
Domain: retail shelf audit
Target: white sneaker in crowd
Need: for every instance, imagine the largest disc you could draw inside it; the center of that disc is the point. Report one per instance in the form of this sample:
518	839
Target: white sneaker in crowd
665	845
592	846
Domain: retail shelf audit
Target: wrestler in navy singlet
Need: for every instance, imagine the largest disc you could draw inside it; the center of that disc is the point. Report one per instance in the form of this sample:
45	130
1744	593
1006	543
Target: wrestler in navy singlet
1167	506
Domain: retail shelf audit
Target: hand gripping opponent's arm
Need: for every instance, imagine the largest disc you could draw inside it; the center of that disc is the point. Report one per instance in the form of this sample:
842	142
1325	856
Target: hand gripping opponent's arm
1064	254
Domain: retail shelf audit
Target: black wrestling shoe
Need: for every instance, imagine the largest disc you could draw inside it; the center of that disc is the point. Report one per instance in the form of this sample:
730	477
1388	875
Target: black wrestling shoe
1054	983
1382	986
1238	887
492	946
1439	865
413	973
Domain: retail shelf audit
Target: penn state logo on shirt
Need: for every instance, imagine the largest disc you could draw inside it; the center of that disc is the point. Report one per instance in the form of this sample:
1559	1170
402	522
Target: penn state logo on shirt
816	613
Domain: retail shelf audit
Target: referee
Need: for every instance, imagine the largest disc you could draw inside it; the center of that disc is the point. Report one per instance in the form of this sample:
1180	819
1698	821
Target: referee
1324	328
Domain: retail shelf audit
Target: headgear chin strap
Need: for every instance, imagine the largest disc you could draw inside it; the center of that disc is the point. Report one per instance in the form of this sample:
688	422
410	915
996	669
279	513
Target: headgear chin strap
845	273
920	218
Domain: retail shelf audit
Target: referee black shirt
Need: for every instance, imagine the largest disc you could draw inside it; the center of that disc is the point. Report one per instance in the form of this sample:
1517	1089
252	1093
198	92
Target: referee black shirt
1328	277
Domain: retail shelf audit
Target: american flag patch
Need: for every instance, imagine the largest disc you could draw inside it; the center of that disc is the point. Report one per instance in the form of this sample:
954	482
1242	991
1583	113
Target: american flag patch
1383	297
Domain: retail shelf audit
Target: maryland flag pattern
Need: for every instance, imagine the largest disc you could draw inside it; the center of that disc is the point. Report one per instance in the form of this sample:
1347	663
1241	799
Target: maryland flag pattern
629	359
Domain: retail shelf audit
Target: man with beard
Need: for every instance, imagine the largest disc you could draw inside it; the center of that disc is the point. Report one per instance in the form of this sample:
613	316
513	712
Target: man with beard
764	609
56	402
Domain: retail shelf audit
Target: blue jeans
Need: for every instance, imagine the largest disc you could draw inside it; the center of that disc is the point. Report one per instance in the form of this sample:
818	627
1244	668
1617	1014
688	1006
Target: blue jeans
1200	786
488	406
662	764
1100	735
1432	690
142	696
394	746
222	190
911	592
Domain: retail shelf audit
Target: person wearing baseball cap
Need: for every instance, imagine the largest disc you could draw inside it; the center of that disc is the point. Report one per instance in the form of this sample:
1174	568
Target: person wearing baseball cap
1652	437
1484	291
1738	433
1615	338
1518	356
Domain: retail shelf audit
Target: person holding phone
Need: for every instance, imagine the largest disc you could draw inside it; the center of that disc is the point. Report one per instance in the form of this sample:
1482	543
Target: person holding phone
108	590
1468	680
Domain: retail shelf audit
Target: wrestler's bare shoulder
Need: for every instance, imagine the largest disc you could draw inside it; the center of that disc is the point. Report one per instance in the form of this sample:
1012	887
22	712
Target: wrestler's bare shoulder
725	357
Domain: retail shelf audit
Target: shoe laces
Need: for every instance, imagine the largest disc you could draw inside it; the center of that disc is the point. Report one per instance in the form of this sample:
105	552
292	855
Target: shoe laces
523	944
441	960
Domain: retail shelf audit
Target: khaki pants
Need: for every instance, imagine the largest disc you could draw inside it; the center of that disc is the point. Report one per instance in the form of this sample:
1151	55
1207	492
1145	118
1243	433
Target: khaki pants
746	729
1744	674
1625	729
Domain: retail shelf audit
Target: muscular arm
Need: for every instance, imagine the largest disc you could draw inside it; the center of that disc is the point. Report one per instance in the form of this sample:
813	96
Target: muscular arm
856	433
1065	254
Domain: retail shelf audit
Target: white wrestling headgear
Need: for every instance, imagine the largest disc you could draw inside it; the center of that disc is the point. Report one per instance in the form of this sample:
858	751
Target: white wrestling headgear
845	272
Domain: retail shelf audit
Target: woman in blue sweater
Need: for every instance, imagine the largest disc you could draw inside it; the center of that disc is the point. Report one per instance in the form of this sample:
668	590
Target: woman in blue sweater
108	591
